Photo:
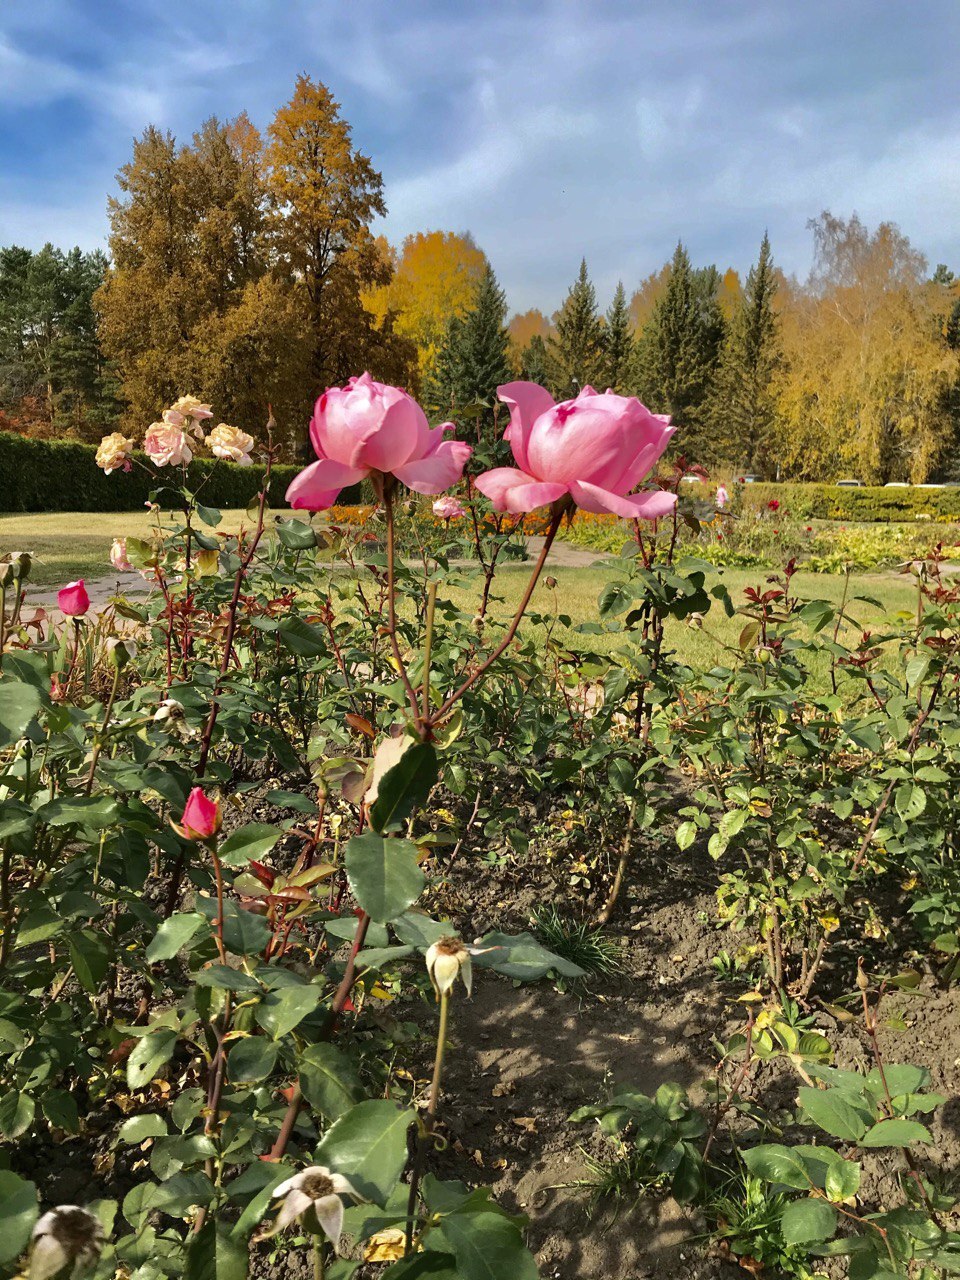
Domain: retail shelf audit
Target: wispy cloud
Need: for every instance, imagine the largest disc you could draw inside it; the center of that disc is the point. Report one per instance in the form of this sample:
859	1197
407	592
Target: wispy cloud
552	129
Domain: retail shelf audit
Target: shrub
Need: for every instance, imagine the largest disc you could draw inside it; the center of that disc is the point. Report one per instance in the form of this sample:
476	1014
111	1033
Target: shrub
870	504
61	475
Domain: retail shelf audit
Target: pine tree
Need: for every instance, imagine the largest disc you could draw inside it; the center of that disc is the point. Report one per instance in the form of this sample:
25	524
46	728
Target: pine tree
752	358
678	354
617	343
474	357
576	349
535	362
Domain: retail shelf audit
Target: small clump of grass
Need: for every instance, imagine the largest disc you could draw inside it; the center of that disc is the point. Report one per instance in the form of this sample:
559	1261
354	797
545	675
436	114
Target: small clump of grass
580	942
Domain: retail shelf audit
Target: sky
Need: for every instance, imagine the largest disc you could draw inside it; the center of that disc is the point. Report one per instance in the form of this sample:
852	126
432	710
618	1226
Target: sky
550	129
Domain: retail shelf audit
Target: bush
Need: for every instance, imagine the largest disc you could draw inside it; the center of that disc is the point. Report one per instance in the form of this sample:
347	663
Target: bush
869	505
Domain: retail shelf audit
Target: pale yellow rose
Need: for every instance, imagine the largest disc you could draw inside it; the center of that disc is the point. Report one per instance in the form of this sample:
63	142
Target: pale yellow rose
166	445
230	443
114	452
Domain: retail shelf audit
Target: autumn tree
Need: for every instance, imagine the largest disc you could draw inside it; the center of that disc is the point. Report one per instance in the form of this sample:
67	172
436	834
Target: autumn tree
746	401
535	362
323	195
523	328
645	298
435	277
678	354
617	343
871	374
576	347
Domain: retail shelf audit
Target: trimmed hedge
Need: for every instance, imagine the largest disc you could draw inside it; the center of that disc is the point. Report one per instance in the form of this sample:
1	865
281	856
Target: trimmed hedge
869	504
62	475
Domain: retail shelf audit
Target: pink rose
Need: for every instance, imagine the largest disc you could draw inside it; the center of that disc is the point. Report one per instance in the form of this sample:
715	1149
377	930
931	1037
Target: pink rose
118	556
722	496
447	508
201	817
370	429
166	445
596	448
73	599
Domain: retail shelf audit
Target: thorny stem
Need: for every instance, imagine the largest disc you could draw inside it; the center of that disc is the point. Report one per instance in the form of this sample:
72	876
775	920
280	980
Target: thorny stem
471	680
425	1132
428	645
392	602
98	745
173	891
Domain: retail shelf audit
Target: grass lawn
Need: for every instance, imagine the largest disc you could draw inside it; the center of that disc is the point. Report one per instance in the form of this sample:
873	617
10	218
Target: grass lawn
72	545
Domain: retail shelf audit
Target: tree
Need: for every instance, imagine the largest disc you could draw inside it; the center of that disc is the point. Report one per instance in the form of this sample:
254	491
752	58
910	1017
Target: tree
576	348
523	328
435	276
746	401
678	354
617	343
52	372
872	379
323	196
535	361
474	359
647	296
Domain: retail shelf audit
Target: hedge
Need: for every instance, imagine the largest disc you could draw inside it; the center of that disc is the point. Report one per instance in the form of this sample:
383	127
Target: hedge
62	475
869	504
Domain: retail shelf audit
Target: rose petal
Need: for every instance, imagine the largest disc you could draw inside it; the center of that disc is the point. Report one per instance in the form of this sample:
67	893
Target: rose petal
438	471
318	486
526	402
510	489
643	506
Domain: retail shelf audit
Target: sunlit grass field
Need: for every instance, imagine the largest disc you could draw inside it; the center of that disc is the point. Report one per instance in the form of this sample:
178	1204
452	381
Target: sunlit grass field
69	546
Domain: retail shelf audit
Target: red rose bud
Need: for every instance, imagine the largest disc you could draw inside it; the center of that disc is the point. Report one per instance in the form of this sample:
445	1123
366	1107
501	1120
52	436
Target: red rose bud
73	599
201	817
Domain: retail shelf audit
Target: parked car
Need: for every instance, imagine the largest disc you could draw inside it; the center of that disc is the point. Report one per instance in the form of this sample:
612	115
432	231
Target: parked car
896	484
850	484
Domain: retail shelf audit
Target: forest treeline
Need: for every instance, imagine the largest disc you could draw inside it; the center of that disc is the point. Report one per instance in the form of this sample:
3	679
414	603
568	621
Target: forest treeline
244	268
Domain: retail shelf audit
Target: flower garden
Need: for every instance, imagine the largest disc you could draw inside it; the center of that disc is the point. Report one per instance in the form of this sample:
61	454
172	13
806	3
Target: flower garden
355	926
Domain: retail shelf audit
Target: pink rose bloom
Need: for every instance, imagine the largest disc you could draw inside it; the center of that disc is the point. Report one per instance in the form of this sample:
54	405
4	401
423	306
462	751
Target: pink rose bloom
118	556
722	496
166	445
447	508
73	599
370	429
201	817
595	449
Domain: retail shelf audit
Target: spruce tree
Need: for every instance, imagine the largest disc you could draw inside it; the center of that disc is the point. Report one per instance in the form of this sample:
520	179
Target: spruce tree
617	343
678	354
535	362
576	349
473	359
752	357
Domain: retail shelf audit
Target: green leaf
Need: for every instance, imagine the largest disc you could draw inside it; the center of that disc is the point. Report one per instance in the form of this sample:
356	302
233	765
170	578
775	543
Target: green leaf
138	1128
152	1052
404	788
94	812
296	535
329	1080
842	1180
916	669
61	1110
251	841
384	874
301	638
282	1010
368	1145
252	1059
19	1211
173	935
16	1113
215	1254
209	515
778	1164
522	957
90	958
836	1111
910	801
896	1133
488	1246
19	703
686	834
244	933
808	1221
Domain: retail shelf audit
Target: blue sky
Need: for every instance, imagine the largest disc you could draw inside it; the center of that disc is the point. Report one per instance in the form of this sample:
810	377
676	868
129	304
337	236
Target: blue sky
551	129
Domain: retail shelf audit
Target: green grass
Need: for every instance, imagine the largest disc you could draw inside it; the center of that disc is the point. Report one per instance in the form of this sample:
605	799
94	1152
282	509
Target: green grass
69	546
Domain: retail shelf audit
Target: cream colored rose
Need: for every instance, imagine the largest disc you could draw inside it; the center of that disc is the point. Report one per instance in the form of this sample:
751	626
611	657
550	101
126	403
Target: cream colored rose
166	445
114	452
230	443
